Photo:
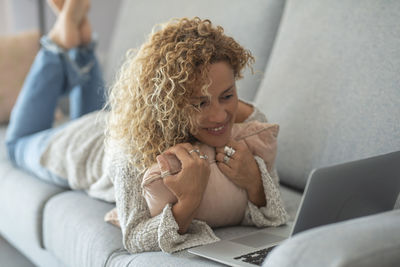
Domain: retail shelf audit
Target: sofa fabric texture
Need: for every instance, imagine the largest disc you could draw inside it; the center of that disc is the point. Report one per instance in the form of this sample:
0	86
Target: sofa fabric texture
74	230
253	25
11	257
332	83
23	198
349	244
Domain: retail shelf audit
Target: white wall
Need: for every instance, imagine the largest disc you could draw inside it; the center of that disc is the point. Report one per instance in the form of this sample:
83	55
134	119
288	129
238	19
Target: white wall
22	15
4	17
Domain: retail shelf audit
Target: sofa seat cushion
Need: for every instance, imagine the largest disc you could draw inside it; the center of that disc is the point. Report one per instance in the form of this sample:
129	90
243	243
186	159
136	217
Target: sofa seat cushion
3	152
10	257
182	258
22	199
74	230
151	259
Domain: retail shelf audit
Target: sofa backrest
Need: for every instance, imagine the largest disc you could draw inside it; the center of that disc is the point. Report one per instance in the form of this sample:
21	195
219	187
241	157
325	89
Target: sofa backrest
333	84
252	23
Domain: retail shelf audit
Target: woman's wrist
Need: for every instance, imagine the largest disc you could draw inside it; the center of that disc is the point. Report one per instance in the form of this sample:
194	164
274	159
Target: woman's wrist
255	193
190	201
184	211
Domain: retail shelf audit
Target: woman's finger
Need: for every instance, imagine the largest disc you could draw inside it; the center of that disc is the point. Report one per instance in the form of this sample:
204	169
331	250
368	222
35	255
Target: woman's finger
229	149
181	152
222	148
222	158
225	169
194	151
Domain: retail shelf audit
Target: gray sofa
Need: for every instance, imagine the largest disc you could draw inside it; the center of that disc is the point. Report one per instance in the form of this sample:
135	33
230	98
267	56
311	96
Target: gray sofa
326	71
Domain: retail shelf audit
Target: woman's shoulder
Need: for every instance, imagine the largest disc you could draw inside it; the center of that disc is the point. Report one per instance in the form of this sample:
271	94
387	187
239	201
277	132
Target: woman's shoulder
249	112
244	110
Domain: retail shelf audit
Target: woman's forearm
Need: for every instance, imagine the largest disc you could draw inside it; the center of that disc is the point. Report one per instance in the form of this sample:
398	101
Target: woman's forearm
184	212
256	194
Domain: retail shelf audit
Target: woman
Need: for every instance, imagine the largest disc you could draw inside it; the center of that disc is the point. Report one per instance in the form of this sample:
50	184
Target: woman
178	89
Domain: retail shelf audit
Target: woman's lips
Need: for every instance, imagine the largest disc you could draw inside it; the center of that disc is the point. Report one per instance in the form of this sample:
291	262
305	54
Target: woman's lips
217	130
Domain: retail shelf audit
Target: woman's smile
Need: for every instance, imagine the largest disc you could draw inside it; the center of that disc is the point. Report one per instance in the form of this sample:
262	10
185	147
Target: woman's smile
218	130
218	109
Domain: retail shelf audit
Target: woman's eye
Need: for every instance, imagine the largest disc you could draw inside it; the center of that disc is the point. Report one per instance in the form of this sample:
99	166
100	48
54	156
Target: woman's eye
200	105
227	96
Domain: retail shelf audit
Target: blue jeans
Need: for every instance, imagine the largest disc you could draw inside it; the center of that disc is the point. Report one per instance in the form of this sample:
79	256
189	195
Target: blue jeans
54	73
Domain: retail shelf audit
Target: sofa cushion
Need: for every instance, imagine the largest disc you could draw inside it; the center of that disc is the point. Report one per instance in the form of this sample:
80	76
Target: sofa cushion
74	230
3	151
332	84
75	233
364	242
22	199
11	257
182	258
151	259
253	25
291	199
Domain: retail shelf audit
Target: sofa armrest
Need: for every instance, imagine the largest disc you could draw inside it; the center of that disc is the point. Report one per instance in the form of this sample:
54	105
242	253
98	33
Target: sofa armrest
367	241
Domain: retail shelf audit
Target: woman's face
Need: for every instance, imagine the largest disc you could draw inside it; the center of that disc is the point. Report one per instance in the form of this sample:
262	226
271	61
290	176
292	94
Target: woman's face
217	111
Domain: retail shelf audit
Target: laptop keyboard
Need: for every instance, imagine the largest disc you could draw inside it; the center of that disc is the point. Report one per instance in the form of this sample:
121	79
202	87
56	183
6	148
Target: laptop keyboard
257	257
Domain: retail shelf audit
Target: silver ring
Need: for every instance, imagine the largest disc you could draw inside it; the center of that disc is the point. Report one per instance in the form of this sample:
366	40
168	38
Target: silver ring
203	157
165	174
226	159
229	151
194	150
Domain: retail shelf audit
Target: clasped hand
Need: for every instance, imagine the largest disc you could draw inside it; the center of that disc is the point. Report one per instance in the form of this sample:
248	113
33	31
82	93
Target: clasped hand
240	167
190	183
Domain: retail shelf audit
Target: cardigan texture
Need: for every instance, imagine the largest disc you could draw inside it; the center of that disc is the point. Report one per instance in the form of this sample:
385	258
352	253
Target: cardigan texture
78	153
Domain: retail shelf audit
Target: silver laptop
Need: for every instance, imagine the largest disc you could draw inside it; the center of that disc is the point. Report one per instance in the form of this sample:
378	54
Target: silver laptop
332	194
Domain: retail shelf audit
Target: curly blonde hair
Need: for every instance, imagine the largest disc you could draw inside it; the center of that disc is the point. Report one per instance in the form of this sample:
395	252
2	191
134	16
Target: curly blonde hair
149	101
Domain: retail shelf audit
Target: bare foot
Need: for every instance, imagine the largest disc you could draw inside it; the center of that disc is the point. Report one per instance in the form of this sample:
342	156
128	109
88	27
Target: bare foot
85	29
56	5
66	32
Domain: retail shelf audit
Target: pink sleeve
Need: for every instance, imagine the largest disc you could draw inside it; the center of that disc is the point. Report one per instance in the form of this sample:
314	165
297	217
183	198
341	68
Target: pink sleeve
261	138
157	195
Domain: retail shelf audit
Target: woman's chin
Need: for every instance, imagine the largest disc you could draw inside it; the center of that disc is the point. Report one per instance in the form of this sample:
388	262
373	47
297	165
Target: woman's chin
215	142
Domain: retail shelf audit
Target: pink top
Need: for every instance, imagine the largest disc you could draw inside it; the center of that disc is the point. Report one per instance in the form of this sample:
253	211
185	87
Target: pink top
223	203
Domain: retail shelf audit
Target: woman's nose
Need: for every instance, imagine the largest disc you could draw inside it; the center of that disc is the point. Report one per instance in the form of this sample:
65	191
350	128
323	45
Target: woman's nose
216	114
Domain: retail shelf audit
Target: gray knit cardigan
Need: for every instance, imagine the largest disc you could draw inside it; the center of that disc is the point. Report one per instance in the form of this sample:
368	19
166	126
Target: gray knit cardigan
77	153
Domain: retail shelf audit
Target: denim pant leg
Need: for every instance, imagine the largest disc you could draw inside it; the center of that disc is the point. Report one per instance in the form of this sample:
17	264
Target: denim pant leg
53	73
28	150
85	77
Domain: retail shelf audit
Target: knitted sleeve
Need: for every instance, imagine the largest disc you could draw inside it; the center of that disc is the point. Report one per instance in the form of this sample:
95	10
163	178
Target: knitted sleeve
274	213
140	231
